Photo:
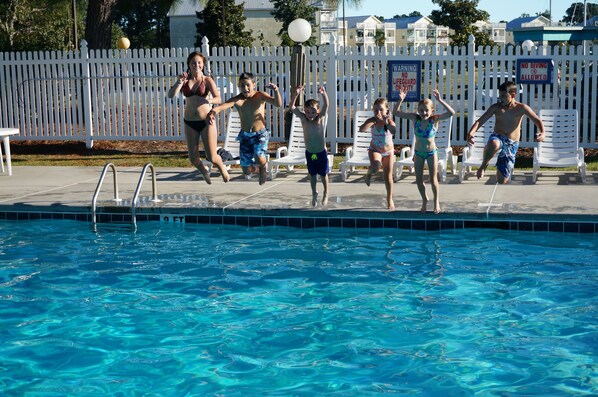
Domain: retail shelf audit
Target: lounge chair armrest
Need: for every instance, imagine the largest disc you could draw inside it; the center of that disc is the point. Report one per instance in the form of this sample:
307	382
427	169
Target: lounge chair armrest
349	152
465	153
536	154
580	154
281	151
405	153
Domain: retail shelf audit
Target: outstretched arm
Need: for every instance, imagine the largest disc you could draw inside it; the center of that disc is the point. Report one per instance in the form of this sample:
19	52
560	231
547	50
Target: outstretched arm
273	100
396	112
176	88
539	135
449	110
296	94
325	102
216	109
479	122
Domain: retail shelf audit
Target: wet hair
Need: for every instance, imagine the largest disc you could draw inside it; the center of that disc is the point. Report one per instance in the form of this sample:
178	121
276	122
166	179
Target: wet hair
508	86
381	102
247	76
312	103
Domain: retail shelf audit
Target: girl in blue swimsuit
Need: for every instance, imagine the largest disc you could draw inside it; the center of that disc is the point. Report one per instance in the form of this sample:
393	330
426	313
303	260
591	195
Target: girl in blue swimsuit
425	126
381	150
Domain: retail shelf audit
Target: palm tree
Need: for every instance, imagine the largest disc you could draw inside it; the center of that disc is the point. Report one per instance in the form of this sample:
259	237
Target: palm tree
335	4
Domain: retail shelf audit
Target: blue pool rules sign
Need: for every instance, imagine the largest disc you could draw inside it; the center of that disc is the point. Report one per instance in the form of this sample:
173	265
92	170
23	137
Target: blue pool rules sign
404	74
534	71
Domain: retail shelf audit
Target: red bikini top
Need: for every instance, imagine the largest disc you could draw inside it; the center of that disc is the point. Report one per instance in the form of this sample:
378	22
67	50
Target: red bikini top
201	90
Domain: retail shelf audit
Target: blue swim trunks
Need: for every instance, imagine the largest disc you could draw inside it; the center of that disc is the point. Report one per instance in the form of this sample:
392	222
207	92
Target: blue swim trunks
317	163
251	145
506	155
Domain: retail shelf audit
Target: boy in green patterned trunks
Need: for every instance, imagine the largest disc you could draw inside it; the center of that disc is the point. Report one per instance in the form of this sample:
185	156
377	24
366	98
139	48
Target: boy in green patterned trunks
507	131
254	136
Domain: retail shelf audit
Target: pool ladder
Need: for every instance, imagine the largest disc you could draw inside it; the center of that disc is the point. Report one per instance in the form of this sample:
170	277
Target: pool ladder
117	199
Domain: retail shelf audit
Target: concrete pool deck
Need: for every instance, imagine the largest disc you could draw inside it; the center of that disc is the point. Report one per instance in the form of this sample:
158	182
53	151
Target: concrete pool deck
557	196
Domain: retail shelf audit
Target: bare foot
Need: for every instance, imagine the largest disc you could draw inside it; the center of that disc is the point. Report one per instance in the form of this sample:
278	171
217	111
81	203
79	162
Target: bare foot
424	207
325	199
263	174
314	199
480	173
437	209
225	176
206	175
368	178
391	205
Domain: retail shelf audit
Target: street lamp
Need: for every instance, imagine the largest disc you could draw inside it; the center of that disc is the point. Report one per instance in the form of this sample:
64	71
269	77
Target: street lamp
299	31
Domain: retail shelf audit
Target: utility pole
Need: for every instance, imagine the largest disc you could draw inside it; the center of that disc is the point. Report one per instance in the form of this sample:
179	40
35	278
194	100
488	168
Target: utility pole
75	25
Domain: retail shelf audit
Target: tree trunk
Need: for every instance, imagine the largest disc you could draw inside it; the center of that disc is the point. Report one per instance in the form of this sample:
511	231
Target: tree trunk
98	25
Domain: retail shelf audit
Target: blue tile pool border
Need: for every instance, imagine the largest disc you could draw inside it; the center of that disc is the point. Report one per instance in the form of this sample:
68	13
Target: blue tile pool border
344	220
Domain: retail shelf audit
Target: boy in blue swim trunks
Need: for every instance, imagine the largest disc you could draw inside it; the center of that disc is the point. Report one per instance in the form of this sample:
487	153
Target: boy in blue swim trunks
254	136
313	119
507	131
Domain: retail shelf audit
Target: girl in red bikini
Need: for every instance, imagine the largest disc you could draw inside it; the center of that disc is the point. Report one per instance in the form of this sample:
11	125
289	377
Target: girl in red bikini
201	93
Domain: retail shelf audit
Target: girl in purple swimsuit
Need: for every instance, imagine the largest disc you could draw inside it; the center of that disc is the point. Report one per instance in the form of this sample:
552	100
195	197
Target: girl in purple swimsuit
381	150
425	124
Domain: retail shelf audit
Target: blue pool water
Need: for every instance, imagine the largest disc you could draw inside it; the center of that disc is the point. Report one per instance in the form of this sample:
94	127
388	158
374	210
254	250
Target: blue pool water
205	310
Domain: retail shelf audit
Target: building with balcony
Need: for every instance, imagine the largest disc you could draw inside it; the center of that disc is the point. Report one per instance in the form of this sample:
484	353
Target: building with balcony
419	31
496	31
366	31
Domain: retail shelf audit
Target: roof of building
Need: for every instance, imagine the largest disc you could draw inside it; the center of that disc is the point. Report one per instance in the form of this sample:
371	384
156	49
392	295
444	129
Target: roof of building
190	7
517	23
403	23
353	21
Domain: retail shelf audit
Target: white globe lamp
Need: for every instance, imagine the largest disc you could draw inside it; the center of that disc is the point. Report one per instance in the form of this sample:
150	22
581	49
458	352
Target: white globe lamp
299	30
528	45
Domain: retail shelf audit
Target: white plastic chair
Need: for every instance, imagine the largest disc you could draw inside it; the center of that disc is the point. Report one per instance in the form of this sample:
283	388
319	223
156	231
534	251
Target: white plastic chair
294	154
357	154
445	152
473	155
561	142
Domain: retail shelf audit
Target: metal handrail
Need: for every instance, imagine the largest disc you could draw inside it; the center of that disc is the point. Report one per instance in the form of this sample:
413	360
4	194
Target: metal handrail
155	198
97	192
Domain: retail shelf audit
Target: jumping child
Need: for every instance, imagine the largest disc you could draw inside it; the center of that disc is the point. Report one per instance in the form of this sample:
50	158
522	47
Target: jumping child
254	136
313	119
381	150
425	126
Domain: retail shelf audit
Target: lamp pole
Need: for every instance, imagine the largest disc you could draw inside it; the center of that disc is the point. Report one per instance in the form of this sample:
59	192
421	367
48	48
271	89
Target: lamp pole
299	31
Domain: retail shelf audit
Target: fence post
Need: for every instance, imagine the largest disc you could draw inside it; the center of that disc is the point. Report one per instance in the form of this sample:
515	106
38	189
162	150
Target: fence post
471	68
331	76
86	100
205	50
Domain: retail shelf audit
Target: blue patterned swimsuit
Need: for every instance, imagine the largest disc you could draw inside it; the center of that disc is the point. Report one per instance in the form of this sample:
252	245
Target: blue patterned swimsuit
428	133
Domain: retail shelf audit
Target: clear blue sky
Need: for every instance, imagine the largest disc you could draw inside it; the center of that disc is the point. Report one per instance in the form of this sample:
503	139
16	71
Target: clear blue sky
499	10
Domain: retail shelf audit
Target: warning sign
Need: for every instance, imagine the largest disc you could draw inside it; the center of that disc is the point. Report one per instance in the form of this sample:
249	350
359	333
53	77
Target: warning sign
404	75
534	71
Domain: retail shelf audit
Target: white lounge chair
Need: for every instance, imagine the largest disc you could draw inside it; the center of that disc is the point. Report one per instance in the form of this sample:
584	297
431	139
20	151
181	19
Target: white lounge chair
294	154
357	154
561	143
445	152
473	155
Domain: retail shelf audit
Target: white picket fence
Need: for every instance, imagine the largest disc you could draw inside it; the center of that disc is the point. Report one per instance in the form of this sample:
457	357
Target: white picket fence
122	94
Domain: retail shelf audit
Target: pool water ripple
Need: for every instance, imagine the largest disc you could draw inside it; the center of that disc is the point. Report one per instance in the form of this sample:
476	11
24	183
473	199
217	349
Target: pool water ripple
206	310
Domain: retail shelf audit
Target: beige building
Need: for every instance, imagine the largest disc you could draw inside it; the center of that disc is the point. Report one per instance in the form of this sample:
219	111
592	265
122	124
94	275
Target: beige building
496	31
419	31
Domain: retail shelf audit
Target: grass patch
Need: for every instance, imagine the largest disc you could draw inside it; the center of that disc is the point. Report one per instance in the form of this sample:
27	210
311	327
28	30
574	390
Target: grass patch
167	154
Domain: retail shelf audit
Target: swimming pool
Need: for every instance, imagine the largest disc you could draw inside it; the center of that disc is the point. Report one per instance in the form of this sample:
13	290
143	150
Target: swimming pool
185	310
